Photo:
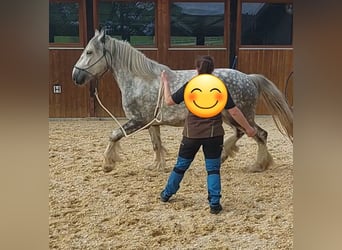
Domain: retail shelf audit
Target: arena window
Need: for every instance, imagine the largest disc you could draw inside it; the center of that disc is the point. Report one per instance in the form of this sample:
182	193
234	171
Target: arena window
197	23
266	23
130	21
65	22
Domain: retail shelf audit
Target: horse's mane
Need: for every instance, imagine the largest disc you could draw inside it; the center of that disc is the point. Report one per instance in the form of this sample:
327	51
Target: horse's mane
131	59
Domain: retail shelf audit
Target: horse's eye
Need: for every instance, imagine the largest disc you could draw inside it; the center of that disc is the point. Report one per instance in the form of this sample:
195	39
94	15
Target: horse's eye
89	52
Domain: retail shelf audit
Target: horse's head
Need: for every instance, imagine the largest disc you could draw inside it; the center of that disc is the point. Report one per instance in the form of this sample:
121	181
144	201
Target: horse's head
93	61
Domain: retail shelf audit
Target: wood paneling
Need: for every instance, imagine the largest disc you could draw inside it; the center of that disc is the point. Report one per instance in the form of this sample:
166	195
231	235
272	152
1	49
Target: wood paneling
74	100
275	64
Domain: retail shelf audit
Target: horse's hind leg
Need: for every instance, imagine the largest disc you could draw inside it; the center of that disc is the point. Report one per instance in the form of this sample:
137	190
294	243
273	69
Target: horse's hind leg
264	158
159	150
229	145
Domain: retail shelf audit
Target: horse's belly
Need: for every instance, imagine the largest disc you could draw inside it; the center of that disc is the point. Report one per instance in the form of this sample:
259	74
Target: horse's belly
174	115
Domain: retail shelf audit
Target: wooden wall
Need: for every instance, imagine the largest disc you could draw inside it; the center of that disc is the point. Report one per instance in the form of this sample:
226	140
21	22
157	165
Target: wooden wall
73	101
275	64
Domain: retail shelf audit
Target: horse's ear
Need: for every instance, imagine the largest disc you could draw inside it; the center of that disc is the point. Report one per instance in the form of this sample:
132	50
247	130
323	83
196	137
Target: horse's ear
96	32
102	36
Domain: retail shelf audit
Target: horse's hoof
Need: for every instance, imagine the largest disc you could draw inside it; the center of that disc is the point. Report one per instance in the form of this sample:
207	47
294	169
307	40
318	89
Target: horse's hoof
165	170
223	158
159	166
108	167
256	168
150	167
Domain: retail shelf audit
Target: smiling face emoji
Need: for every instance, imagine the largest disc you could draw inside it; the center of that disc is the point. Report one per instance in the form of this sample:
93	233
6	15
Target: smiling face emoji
205	95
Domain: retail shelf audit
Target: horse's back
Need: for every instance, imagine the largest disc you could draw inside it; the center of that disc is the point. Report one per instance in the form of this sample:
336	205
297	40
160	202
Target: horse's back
243	91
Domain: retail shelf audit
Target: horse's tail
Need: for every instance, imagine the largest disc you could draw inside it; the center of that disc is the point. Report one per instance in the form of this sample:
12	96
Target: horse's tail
276	103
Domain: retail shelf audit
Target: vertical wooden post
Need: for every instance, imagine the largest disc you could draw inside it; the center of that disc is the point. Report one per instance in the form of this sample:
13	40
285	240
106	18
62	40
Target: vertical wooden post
91	103
89	35
163	30
232	34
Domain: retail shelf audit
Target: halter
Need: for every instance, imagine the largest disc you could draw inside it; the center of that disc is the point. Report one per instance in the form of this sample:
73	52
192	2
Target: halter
104	51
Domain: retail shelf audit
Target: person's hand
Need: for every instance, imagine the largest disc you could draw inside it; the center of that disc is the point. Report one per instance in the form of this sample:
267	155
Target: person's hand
163	76
251	132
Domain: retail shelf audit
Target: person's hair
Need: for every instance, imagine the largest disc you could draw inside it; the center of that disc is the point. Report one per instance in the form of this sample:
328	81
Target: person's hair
205	64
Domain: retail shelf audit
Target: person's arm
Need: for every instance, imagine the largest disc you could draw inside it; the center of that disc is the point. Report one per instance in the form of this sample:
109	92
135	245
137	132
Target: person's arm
167	92
238	116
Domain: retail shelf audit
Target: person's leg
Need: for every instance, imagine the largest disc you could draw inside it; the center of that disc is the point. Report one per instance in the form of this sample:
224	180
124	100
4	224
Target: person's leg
214	184
187	152
212	151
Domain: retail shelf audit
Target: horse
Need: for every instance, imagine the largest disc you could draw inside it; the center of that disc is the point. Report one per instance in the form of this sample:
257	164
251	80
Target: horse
139	77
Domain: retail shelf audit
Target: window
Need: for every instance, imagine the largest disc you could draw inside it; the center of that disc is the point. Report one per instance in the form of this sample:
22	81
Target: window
197	23
130	21
266	24
64	22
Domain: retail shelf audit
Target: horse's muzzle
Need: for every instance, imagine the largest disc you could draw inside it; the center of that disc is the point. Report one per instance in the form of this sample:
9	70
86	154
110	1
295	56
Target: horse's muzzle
79	76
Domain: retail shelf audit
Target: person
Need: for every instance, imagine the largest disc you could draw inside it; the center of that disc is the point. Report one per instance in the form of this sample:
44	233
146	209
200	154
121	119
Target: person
197	132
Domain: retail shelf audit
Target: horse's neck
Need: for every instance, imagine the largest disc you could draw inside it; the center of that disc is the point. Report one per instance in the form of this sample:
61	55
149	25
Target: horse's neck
129	60
130	84
123	78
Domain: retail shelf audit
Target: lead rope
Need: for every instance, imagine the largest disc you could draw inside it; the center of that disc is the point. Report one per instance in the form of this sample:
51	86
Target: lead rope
158	115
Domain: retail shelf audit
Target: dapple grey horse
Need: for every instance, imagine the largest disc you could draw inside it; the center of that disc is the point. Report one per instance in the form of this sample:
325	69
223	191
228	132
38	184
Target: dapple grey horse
138	78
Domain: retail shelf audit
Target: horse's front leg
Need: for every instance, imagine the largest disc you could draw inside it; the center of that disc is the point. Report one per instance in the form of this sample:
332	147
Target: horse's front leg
111	155
159	150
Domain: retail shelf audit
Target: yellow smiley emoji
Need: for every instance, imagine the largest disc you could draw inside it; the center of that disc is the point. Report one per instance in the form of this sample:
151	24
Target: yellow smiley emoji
205	95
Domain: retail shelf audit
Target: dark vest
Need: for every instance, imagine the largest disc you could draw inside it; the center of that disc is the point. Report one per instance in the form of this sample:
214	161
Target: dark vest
197	127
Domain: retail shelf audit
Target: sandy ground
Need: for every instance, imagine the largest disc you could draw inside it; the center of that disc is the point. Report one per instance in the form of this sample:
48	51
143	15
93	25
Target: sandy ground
90	209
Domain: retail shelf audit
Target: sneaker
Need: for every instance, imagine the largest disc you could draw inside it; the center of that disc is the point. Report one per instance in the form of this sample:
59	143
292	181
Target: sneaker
163	197
215	209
